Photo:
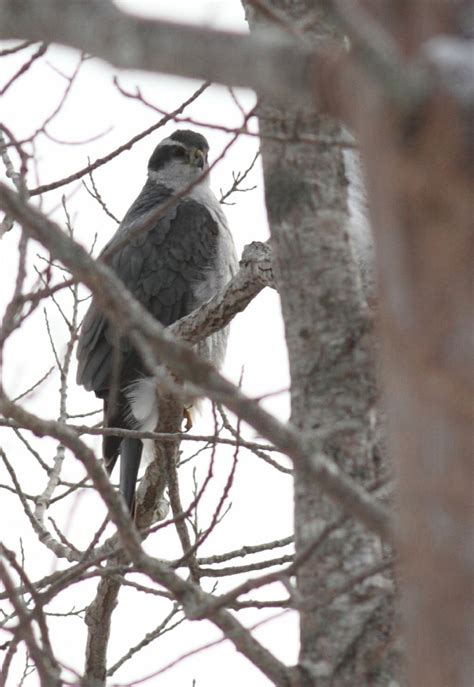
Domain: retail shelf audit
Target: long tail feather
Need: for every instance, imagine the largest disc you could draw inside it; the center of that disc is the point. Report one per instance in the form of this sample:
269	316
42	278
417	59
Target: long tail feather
130	456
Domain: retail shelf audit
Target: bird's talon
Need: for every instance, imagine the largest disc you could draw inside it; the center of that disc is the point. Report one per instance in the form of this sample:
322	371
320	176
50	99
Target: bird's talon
187	417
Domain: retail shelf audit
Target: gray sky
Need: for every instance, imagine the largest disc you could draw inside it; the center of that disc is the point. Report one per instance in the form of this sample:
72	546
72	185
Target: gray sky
262	500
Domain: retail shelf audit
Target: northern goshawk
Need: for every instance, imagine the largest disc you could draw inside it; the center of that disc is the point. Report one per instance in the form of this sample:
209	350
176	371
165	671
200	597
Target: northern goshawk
180	261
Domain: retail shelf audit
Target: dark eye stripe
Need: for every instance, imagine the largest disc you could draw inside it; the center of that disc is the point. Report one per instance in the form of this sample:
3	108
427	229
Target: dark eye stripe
164	154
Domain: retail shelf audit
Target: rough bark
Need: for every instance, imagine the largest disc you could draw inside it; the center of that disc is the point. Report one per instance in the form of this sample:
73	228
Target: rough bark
333	391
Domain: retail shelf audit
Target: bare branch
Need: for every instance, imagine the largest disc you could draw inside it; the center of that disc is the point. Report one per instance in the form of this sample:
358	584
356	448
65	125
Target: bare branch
24	68
144	330
126	146
48	669
255	273
130	42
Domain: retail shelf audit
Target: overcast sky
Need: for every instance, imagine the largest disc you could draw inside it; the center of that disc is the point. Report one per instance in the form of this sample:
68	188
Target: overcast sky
262	499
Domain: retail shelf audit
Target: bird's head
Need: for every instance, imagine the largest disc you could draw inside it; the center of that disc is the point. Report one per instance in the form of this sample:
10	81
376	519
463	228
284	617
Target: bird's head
179	160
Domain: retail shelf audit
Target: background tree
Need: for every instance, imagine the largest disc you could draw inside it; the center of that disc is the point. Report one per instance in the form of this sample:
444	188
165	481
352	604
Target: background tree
399	76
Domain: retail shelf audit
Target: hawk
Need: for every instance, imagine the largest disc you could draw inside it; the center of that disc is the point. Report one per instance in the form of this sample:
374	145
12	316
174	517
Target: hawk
172	267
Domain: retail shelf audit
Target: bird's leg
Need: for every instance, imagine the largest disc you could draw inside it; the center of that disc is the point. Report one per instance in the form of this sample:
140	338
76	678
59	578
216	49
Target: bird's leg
188	418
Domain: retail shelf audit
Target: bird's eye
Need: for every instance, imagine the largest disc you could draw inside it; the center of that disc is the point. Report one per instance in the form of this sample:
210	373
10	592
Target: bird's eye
179	152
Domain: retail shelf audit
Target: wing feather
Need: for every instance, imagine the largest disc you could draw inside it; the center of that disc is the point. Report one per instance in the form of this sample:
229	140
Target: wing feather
161	267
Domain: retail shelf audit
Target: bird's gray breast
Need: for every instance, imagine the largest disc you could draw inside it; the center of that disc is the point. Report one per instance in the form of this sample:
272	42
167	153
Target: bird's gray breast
225	266
215	272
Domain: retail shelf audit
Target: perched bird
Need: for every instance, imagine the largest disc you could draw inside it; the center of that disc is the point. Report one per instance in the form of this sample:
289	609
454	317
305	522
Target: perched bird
172	267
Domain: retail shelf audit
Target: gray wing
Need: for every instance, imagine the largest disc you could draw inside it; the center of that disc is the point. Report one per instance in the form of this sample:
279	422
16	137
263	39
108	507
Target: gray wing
161	267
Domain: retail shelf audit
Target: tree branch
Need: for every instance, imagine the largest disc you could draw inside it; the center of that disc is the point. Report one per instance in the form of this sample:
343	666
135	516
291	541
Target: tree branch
285	66
153	341
255	273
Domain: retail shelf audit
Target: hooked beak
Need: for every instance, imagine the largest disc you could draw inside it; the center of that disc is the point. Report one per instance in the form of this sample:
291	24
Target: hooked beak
197	158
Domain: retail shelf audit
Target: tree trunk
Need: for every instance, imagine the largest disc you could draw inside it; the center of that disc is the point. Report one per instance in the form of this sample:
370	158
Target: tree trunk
333	392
